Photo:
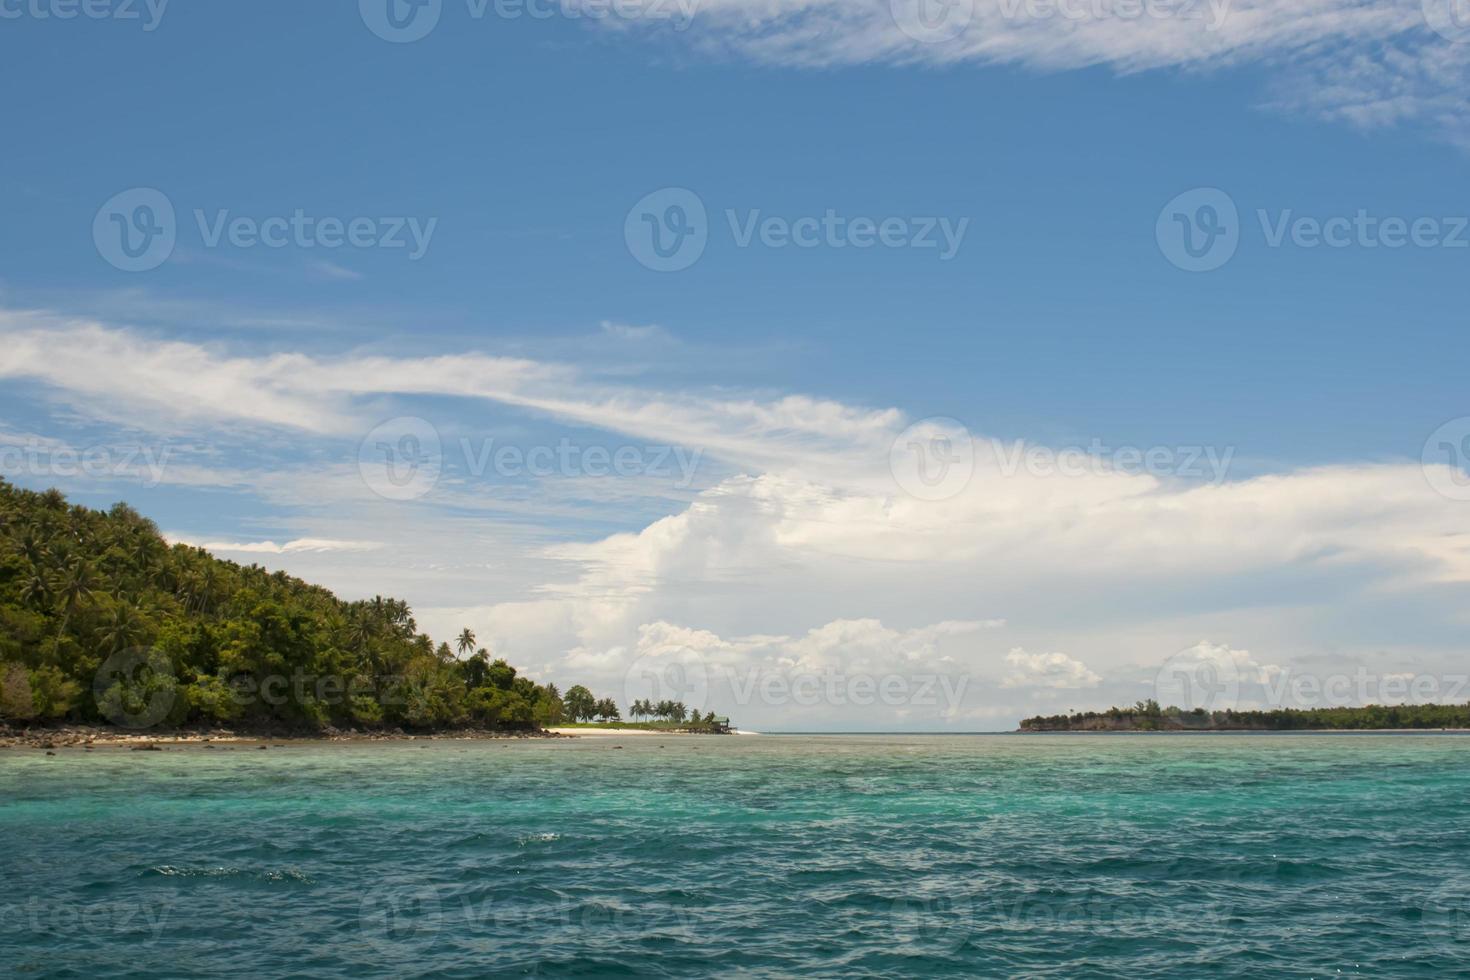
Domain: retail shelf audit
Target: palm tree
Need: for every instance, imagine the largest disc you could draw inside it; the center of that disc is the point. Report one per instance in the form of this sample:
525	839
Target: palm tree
35	589
75	584
466	641
121	629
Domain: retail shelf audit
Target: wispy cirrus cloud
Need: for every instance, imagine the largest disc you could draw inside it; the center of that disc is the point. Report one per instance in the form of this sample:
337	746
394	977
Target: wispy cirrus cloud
311	545
1367	62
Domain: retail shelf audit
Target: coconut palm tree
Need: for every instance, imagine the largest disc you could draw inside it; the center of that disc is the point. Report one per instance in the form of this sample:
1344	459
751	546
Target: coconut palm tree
120	631
74	585
466	641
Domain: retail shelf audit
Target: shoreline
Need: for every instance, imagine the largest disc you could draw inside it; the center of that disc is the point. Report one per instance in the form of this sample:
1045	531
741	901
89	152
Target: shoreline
90	737
1241	731
572	732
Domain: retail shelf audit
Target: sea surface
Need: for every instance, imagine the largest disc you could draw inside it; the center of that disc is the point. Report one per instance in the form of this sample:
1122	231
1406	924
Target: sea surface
838	856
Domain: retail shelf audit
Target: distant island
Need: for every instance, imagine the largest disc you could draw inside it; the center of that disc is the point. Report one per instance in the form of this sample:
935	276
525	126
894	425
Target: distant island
103	623
1148	716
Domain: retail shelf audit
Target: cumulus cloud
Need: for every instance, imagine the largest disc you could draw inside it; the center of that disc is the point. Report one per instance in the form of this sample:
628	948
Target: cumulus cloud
1052	670
814	552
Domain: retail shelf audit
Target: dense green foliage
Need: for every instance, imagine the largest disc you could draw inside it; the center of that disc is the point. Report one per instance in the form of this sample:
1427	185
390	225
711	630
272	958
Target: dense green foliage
101	620
706	724
1148	716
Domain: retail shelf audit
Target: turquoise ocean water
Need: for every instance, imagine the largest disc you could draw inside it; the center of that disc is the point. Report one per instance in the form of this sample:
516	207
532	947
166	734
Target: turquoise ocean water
850	856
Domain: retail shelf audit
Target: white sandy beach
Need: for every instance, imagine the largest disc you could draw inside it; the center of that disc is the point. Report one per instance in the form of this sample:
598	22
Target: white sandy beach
630	731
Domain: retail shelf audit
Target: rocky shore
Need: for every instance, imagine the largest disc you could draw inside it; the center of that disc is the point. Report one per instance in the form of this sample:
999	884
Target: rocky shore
88	737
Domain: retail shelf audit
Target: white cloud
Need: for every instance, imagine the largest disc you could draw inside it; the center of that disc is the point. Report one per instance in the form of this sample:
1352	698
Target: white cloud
299	545
802	552
322	269
1052	670
1366	61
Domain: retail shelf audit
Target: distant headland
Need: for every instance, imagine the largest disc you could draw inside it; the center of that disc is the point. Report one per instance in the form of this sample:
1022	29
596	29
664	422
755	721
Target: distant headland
1148	716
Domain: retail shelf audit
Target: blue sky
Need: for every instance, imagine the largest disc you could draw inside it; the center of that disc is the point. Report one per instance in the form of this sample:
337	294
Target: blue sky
1059	320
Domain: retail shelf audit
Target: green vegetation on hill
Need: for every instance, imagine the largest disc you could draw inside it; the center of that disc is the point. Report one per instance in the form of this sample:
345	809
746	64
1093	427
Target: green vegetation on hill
1148	716
103	621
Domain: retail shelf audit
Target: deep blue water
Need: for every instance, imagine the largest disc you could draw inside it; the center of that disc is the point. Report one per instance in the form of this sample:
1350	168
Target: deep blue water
851	856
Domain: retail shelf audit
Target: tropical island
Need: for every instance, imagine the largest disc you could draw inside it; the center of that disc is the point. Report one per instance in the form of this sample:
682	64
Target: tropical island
1148	716
105	624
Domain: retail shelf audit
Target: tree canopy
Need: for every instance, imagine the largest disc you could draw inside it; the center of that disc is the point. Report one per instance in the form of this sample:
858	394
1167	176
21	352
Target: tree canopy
101	620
